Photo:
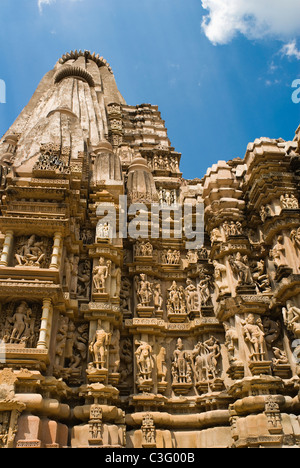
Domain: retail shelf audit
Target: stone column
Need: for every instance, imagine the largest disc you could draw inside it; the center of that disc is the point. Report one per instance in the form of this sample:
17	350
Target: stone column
43	341
56	252
7	246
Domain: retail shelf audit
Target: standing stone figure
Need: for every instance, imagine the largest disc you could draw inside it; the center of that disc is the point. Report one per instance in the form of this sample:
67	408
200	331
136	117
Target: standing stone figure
99	347
254	337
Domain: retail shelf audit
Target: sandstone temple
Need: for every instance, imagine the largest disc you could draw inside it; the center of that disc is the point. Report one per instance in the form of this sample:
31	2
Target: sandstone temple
117	328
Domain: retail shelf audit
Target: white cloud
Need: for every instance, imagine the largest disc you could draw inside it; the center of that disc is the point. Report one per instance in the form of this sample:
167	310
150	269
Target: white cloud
41	3
291	50
255	19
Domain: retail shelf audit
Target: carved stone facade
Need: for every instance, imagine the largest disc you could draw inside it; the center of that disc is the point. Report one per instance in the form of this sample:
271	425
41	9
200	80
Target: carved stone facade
116	334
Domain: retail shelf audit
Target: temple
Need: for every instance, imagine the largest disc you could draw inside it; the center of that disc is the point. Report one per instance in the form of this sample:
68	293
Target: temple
139	309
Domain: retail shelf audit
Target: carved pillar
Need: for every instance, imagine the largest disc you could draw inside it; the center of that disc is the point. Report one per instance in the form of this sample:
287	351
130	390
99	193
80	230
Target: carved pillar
44	336
7	246
56	252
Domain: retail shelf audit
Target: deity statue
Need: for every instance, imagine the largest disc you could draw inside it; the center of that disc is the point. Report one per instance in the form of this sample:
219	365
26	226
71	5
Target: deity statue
21	323
157	297
101	273
176	303
191	296
144	291
181	365
220	277
99	347
144	360
255	337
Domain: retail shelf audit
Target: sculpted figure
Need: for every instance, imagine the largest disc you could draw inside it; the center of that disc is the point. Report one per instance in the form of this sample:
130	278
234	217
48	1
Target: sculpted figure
272	330
144	291
161	365
206	356
291	317
241	269
125	295
176	302
83	279
158	298
191	296
254	337
231	341
261	278
220	276
280	357
204	292
181	365
289	201
79	348
101	273
20	321
114	351
295	237
30	253
278	252
144	359
99	347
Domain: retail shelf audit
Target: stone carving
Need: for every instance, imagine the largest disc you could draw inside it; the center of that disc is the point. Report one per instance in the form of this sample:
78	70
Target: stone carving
167	197
144	291
83	279
241	269
206	356
231	342
126	361
71	349
278	253
114	352
232	228
289	202
220	277
101	272
176	303
51	162
158	298
95	425
32	252
143	249
181	367
103	231
170	257
265	212
145	365
162	369
261	278
295	237
145	340
291	318
254	337
191	296
20	324
99	348
148	432
125	296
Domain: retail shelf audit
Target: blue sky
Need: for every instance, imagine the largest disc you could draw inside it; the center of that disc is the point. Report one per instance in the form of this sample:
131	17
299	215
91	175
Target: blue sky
221	72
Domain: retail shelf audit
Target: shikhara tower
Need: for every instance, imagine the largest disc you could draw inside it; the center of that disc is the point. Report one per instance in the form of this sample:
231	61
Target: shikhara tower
141	342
